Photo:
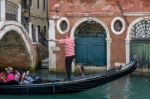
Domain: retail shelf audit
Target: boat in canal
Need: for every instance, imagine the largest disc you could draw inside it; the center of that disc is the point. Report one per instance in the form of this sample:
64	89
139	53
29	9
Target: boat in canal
59	86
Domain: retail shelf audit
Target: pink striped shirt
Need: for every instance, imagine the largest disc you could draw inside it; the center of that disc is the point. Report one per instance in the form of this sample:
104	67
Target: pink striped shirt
69	46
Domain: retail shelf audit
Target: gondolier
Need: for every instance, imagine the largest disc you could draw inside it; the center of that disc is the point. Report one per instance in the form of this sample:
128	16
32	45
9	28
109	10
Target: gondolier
69	53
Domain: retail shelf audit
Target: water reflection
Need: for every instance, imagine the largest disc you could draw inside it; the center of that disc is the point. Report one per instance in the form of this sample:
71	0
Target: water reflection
139	87
118	89
133	87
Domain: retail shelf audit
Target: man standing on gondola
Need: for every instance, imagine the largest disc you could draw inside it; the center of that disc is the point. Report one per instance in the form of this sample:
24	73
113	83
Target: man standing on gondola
69	46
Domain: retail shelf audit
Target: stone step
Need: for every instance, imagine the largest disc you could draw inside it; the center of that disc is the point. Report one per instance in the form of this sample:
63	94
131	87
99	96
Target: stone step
45	60
45	64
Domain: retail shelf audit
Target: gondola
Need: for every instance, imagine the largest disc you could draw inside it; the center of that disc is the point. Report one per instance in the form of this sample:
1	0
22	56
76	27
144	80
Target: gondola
58	86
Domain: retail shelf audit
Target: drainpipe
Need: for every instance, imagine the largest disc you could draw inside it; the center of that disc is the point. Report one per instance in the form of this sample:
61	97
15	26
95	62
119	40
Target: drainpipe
2	10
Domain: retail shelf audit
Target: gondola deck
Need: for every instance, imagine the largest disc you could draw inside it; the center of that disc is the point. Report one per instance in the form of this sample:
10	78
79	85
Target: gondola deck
72	86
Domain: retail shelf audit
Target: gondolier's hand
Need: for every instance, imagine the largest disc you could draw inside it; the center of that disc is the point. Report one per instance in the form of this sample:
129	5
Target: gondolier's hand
51	40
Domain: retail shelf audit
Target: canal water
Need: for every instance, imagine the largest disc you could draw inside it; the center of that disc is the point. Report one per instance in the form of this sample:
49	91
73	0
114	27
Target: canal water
133	87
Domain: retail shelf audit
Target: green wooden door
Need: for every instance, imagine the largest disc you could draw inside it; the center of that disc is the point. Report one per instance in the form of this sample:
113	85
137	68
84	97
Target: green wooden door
91	51
142	50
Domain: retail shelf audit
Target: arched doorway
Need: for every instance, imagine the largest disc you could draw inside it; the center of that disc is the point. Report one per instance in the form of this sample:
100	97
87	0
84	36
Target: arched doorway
140	42
90	40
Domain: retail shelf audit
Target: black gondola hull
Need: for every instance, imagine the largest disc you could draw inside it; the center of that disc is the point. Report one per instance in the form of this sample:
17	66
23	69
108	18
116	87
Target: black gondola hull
76	85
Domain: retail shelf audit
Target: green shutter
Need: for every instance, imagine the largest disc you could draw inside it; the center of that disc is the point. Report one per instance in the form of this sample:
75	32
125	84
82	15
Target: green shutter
91	51
142	50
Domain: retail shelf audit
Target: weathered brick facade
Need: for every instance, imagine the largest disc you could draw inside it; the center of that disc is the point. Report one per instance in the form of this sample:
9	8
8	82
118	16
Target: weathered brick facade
105	11
13	48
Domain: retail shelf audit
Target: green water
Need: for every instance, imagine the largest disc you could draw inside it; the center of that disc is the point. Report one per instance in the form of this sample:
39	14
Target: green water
134	87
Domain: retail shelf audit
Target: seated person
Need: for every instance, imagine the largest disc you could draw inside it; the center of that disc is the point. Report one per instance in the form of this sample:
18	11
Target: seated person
2	77
26	78
10	75
17	76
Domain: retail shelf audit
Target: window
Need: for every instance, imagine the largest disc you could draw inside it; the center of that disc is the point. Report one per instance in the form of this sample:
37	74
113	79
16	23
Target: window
31	3
90	28
141	30
44	5
44	30
32	28
24	4
39	28
33	33
118	25
63	25
38	4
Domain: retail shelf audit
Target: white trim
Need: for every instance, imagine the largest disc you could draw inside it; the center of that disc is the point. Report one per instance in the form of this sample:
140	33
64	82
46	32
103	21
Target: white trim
2	10
30	31
128	38
19	13
136	13
58	25
52	45
123	25
37	35
108	39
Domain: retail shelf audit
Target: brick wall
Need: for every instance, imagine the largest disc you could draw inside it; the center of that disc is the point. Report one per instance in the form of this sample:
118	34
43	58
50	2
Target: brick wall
106	13
13	51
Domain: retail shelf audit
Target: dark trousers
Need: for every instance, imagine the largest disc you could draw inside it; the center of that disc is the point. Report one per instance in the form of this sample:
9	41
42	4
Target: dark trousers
68	62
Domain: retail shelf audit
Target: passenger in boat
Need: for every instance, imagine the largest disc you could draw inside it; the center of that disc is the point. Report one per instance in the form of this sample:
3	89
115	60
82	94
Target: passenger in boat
10	75
17	75
69	53
26	78
2	77
23	77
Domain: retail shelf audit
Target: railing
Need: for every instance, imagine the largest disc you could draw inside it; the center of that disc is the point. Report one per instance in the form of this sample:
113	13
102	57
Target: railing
11	11
38	37
43	40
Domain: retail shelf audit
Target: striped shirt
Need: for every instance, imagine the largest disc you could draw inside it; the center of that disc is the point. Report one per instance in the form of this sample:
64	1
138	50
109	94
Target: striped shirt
68	46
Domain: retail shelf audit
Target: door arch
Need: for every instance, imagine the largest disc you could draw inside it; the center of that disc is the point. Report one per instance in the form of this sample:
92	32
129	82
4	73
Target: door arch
139	42
98	37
